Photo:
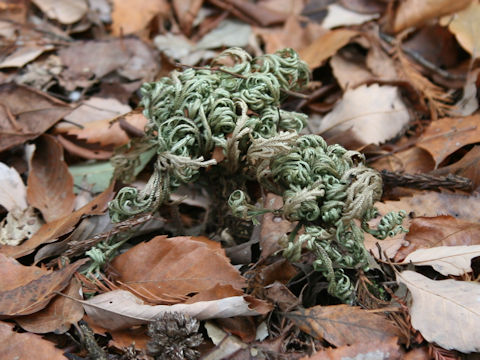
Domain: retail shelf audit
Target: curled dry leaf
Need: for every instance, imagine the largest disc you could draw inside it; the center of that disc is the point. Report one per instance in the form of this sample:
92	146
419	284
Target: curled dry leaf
66	11
447	260
166	270
59	315
456	302
16	345
26	113
445	136
373	114
325	46
339	16
439	231
416	12
50	184
51	231
27	289
379	350
120	309
342	325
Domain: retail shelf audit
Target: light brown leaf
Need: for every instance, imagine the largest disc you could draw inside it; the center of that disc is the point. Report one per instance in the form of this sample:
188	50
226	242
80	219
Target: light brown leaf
431	232
14	192
464	25
50	184
379	350
24	55
445	136
374	114
26	113
325	46
16	345
416	12
166	270
447	260
343	324
338	16
59	315
457	303
186	13
50	232
120	309
130	16
21	295
65	11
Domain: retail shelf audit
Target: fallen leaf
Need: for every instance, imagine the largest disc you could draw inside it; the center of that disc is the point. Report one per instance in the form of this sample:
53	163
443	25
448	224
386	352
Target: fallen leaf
16	345
50	184
349	74
464	26
342	325
166	270
456	301
26	114
120	309
23	55
447	260
414	160
96	176
226	344
374	114
59	315
130	16
19	225
28	289
186	13
66	12
339	16
14	192
445	136
378	350
229	33
129	57
440	231
325	46
51	231
412	13
122	339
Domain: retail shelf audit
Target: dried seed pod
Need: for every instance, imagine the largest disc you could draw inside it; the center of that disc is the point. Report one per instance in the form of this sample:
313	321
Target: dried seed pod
174	336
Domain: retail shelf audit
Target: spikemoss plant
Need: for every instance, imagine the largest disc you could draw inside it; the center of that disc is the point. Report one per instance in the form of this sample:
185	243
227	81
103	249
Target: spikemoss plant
234	104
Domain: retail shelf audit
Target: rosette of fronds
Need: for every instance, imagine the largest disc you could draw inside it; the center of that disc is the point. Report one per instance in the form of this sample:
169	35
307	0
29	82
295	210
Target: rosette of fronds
225	105
330	192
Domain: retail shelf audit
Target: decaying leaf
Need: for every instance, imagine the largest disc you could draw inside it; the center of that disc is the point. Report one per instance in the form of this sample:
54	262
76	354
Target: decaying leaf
66	11
59	315
166	270
339	16
19	225
438	307
26	290
16	345
464	25
343	325
378	350
50	232
26	113
121	309
416	12
374	114
447	260
445	136
50	184
440	231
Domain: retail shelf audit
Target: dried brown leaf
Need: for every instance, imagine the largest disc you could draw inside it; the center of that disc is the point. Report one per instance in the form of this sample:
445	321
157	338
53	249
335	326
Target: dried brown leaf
325	46
186	13
51	231
343	325
23	296
416	12
16	345
379	350
166	270
445	136
50	184
130	16
456	302
430	232
66	11
59	315
26	113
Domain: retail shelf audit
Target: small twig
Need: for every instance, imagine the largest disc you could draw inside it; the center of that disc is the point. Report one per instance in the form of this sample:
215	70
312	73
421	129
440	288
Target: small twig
426	181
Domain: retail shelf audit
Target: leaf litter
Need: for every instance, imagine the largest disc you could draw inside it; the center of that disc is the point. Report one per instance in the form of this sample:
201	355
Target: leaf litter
70	78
